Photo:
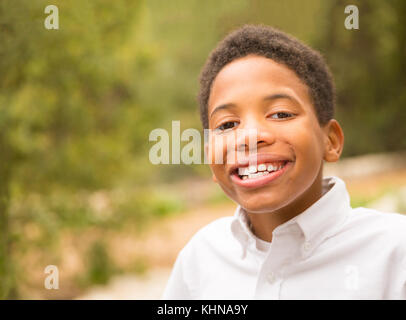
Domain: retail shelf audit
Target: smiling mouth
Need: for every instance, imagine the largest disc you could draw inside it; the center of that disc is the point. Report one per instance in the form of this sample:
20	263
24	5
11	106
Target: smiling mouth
256	171
260	174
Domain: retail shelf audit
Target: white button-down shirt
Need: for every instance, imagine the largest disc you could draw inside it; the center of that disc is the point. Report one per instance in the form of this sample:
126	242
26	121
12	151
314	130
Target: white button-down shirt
329	251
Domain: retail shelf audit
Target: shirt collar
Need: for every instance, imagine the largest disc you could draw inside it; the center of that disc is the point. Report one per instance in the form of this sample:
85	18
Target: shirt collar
321	220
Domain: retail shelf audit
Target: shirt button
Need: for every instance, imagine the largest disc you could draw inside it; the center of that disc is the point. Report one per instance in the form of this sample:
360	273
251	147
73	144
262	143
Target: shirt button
306	246
271	277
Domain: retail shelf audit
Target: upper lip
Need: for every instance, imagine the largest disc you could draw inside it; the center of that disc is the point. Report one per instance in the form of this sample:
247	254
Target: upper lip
260	158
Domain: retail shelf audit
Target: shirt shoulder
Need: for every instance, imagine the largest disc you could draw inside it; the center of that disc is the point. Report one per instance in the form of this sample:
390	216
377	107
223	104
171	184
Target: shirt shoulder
389	227
207	239
381	221
219	229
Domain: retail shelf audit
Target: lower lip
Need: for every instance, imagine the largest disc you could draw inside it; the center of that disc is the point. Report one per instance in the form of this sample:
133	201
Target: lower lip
260	181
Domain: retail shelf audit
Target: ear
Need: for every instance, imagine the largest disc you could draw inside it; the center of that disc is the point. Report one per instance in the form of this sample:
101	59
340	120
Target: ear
334	141
206	151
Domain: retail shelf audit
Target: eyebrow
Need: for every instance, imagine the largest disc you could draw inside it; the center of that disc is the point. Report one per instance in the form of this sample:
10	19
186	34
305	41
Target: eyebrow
280	96
221	107
270	97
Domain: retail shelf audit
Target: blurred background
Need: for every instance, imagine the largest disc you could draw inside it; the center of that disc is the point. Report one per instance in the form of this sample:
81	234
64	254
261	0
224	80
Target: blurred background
77	105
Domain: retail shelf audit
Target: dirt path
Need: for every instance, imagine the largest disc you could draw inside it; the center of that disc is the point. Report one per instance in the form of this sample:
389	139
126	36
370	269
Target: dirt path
159	247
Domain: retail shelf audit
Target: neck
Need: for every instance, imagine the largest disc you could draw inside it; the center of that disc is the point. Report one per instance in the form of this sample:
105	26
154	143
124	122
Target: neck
263	224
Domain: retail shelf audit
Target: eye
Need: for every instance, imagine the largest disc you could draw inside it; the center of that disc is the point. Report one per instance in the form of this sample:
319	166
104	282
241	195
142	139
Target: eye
281	115
227	125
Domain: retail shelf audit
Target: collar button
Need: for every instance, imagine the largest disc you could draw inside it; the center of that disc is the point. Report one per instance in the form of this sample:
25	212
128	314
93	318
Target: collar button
307	246
271	277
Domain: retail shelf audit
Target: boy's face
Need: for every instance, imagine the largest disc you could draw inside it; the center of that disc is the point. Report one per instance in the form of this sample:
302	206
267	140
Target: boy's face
262	94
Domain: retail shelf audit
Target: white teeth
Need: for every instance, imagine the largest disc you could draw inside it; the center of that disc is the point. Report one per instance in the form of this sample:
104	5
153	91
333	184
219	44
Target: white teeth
243	171
262	167
271	168
252	169
258	174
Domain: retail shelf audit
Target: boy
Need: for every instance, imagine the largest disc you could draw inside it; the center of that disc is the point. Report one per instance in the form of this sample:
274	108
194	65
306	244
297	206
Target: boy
293	234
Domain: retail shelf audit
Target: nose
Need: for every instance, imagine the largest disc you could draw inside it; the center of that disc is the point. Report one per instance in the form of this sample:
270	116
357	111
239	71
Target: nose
253	136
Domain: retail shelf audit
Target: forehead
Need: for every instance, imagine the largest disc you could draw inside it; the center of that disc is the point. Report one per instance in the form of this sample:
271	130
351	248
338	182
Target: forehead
253	77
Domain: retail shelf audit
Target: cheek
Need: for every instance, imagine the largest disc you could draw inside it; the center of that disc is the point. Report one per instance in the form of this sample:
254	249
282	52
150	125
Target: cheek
218	170
223	180
221	175
310	165
306	139
306	142
222	148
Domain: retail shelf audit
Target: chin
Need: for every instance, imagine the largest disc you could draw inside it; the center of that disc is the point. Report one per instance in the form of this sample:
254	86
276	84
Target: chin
256	206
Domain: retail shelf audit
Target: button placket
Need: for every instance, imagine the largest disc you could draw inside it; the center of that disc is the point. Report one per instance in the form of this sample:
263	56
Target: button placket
307	246
271	277
306	249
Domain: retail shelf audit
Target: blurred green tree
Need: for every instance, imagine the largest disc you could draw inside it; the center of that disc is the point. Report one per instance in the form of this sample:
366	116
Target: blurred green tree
63	97
369	66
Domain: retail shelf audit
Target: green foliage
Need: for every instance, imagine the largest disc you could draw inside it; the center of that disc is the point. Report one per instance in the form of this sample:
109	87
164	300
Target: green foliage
63	96
140	266
63	108
369	66
100	267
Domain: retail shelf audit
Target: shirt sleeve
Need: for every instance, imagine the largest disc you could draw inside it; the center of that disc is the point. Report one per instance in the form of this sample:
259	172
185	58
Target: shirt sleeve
403	289
176	287
399	273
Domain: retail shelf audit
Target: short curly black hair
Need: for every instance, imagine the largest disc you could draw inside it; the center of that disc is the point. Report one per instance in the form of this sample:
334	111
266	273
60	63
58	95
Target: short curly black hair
274	44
